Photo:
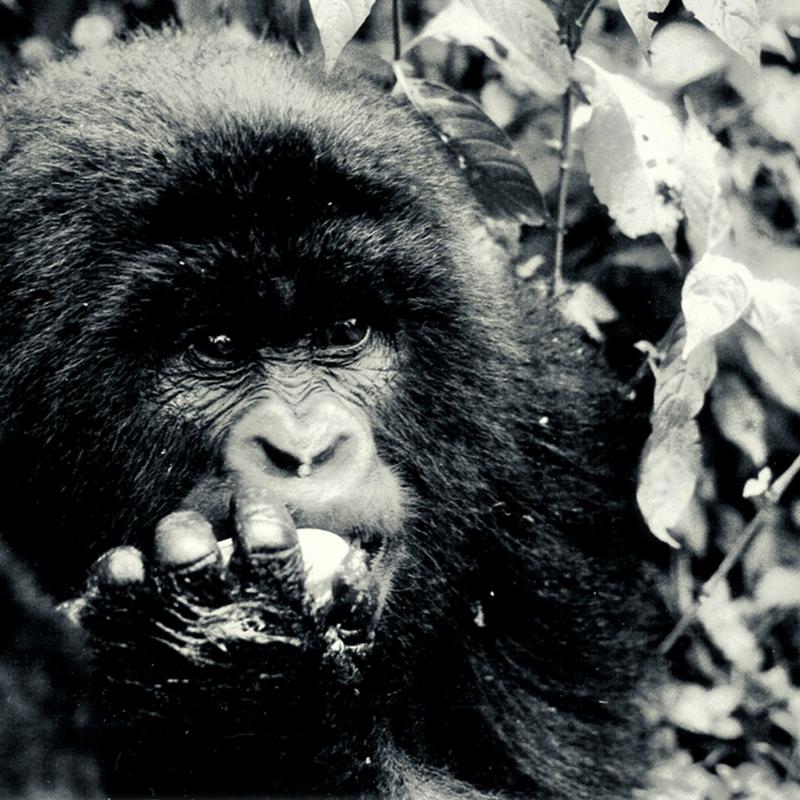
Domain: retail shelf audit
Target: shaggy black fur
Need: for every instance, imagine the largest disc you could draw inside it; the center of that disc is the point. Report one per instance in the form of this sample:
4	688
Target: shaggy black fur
176	178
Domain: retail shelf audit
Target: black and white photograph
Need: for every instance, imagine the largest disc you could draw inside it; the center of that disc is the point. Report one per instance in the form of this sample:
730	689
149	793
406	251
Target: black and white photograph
399	399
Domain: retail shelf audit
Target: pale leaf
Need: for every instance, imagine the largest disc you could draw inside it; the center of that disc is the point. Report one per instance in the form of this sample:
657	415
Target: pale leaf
778	375
521	36
638	14
725	623
716	294
337	22
682	53
708	711
740	417
682	383
775	314
779	108
736	22
589	308
633	152
670	467
707	215
779	588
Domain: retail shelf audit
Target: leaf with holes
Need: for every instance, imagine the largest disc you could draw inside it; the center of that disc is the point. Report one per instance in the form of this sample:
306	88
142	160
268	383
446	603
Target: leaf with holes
633	150
716	293
736	22
520	36
642	16
500	180
337	22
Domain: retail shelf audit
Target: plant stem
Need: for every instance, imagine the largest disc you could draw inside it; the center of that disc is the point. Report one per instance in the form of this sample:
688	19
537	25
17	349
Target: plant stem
771	498
563	189
580	23
397	16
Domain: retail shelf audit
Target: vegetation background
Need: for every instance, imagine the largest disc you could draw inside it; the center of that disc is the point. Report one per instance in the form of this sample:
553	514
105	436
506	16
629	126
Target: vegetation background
638	163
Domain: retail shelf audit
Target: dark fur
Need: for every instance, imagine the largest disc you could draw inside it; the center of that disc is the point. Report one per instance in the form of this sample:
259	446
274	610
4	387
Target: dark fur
126	164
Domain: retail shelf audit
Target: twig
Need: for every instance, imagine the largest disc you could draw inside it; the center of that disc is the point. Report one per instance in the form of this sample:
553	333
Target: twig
580	23
397	14
771	498
563	189
574	34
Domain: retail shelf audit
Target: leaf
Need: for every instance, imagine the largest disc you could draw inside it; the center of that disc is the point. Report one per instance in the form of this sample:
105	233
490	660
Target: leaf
588	307
682	53
337	22
521	36
633	151
778	111
707	215
775	315
695	708
500	180
639	15
740	417
671	463
716	294
778	375
724	622
779	588
736	22
682	383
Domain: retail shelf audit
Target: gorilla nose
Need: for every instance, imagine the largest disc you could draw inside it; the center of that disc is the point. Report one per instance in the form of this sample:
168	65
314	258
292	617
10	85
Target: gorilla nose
309	457
295	457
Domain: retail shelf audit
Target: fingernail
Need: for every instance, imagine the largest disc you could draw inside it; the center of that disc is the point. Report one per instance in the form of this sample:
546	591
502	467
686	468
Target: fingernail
261	523
184	540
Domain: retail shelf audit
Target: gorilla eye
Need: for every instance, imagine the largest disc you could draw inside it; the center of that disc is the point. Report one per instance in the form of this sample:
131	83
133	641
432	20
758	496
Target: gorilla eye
344	333
217	347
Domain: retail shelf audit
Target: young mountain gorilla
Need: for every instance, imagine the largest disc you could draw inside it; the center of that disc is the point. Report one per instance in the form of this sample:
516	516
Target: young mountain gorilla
361	529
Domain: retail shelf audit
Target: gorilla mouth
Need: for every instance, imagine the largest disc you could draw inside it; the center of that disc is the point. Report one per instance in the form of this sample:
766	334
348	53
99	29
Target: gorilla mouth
340	579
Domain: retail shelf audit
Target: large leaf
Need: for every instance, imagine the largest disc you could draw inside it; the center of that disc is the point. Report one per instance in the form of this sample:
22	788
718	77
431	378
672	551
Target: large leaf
500	180
736	22
633	150
337	22
521	36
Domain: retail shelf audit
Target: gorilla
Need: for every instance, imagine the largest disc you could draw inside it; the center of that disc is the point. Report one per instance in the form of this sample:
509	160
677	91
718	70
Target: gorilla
328	513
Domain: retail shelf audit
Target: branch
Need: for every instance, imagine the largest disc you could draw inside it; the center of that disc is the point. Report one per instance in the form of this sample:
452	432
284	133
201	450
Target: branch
771	497
397	14
563	189
581	21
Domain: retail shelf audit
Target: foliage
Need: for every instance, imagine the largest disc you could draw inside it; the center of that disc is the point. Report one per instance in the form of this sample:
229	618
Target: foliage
639	159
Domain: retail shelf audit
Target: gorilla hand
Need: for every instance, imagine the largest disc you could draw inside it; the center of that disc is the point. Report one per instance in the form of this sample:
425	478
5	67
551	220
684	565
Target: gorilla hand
260	636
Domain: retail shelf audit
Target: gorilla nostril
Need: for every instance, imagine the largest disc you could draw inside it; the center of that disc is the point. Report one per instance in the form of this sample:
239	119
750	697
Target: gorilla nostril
297	462
325	455
286	462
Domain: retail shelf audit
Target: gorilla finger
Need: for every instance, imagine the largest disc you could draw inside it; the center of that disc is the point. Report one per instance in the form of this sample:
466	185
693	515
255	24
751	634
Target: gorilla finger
119	568
187	562
267	558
